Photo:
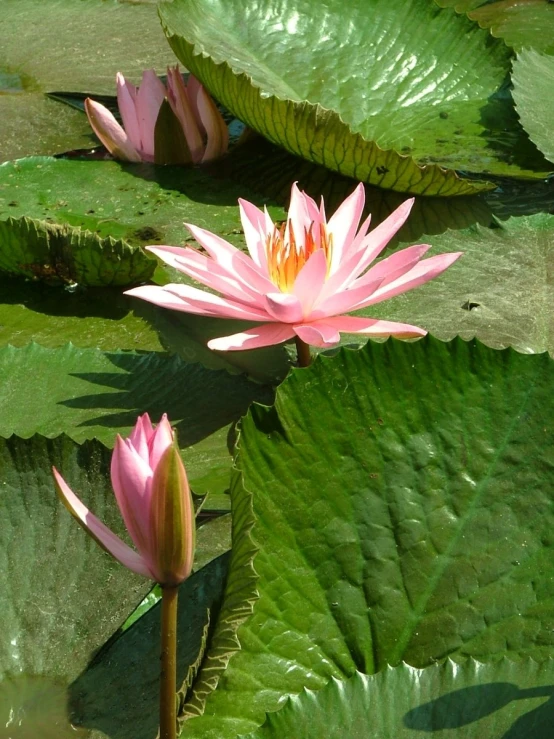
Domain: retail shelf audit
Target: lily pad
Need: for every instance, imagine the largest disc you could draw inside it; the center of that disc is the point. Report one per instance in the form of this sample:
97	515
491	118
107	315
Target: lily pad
398	94
498	291
51	316
508	699
520	25
426	534
533	79
94	394
61	596
80	47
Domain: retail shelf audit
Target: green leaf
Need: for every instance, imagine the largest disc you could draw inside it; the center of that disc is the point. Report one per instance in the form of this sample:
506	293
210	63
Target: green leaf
61	595
400	499
89	394
430	106
498	291
507	699
80	47
527	24
533	79
62	254
118	693
92	318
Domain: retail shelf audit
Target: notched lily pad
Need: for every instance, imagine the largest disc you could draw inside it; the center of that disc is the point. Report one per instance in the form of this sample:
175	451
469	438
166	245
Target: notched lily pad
62	254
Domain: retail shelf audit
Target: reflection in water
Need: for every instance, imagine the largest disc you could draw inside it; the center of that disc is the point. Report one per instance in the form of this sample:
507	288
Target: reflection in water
35	708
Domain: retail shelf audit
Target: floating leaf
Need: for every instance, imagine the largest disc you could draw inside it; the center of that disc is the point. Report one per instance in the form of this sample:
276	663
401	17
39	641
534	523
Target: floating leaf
400	499
533	79
527	24
508	699
398	94
94	394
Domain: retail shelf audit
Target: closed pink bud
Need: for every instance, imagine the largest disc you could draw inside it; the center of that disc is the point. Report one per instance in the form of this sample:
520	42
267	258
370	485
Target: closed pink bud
153	495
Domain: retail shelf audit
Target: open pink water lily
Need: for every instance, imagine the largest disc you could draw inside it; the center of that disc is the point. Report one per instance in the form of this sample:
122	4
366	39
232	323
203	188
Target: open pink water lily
204	129
153	495
301	278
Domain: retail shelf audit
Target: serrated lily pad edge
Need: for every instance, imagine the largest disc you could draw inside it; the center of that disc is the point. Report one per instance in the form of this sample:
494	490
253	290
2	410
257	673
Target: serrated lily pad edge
301	113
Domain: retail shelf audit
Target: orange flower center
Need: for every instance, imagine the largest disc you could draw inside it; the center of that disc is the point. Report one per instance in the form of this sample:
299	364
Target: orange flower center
285	258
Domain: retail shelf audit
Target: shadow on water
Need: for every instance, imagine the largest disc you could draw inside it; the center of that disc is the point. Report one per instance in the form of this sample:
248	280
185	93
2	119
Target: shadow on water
461	708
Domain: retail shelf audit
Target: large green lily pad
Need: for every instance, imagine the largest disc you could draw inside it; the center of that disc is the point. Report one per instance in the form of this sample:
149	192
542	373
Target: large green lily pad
519	24
398	94
78	47
397	502
53	316
506	699
533	79
499	291
88	394
61	595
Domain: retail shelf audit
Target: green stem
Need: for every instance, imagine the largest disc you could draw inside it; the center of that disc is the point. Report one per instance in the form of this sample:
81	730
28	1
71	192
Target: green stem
168	675
303	351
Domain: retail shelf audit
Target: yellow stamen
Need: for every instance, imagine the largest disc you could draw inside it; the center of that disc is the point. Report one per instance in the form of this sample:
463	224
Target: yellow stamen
285	258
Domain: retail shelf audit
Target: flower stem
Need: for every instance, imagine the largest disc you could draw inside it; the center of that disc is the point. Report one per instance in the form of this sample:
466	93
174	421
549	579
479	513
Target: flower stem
303	351
168	675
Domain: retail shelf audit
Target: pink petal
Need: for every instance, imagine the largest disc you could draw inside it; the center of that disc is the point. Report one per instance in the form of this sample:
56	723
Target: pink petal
254	338
310	280
216	128
206	270
425	270
255	227
318	333
131	481
126	96
344	301
374	327
181	106
193	85
192	300
233	260
284	307
110	132
344	222
99	531
161	439
141	435
150	97
393	267
302	213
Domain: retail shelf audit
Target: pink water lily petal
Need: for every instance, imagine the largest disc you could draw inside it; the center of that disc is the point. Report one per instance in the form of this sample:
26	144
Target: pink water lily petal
424	271
318	333
310	280
131	477
344	222
110	132
284	307
161	439
164	298
205	270
255	227
215	305
253	338
302	213
344	301
375	241
393	267
126	102
216	129
232	259
99	531
150	96
140	435
179	100
374	327
193	86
